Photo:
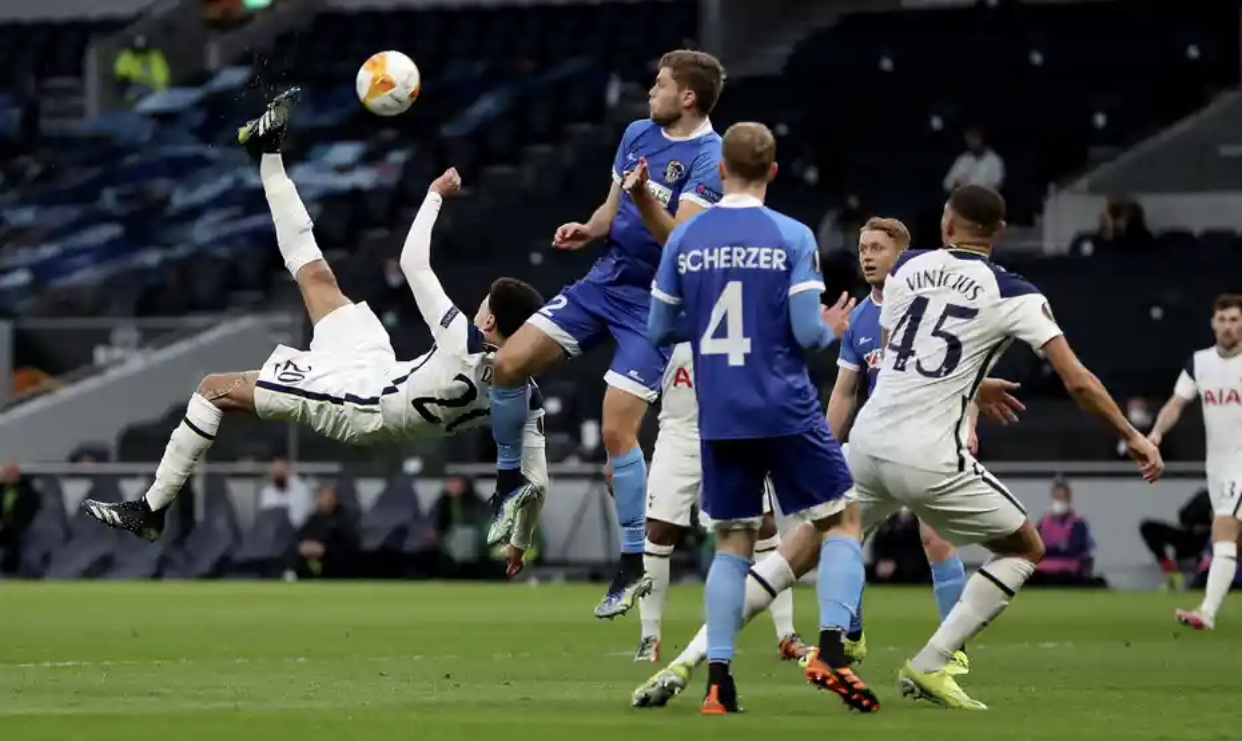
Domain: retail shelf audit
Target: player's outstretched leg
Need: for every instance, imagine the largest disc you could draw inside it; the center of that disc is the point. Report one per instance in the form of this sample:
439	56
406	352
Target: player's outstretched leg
656	554
796	556
839	586
622	417
217	394
948	581
984	598
1224	567
789	644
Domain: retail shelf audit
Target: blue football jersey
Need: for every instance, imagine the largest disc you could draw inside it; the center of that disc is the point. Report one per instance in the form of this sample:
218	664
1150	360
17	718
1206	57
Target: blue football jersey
733	269
679	169
860	345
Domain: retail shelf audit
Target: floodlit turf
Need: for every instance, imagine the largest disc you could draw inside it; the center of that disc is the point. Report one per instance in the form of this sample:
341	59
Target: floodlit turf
410	660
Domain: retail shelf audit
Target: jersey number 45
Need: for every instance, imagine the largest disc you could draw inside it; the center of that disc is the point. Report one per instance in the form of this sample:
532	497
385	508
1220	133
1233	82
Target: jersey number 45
902	338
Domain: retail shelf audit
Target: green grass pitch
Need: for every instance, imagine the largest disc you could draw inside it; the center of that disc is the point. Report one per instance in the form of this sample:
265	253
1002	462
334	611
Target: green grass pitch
450	661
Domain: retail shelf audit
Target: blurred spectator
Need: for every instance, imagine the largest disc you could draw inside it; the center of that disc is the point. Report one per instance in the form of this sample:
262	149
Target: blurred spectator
840	227
897	552
804	166
140	69
18	504
327	545
286	490
1123	225
1069	548
978	165
461	519
1177	546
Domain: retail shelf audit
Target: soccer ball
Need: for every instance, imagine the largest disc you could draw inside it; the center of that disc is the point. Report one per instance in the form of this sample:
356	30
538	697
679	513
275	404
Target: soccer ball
388	83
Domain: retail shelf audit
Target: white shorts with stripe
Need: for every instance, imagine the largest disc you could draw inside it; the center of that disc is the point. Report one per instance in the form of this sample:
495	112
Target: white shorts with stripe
965	508
337	387
1225	489
675	481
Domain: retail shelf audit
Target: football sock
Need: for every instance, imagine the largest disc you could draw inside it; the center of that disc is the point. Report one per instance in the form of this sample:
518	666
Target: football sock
629	491
1220	576
193	436
508	412
768	578
948	581
724	599
294	229
984	598
856	621
782	608
651	607
839	588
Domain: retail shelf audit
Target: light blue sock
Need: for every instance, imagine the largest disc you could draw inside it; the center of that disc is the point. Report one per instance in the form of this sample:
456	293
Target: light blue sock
841	578
509	412
629	491
856	625
948	581
723	599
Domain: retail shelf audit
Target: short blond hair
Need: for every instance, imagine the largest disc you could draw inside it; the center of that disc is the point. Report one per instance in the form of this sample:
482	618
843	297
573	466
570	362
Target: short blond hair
894	228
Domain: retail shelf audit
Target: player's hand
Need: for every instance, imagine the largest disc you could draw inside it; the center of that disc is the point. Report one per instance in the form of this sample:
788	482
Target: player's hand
635	181
447	184
972	442
571	236
515	560
1147	455
837	316
996	402
1155	437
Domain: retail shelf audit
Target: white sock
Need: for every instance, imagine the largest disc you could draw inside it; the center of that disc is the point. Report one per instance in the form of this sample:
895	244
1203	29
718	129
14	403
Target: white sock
651	607
782	607
1220	576
187	444
985	597
294	235
768	578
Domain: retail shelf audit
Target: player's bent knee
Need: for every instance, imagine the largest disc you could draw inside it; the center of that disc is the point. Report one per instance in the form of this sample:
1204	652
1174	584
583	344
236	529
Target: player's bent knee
229	392
839	517
662	533
527	353
767	528
935	547
623	417
1225	527
1024	543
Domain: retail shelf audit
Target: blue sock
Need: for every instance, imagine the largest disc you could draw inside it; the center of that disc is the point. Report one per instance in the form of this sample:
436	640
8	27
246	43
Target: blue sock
856	625
840	584
723	599
509	412
629	491
948	581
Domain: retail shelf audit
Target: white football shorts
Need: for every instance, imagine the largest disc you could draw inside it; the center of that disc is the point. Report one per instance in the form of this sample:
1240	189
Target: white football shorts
1225	489
675	481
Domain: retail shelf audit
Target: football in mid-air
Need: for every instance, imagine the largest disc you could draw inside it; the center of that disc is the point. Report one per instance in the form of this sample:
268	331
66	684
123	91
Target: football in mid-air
388	83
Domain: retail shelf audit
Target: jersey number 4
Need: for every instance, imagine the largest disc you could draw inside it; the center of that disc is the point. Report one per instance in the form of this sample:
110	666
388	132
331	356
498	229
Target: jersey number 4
728	311
901	340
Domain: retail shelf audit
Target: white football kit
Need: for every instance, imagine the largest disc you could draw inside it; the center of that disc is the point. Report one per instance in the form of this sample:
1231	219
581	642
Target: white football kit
349	386
676	475
949	315
1217	381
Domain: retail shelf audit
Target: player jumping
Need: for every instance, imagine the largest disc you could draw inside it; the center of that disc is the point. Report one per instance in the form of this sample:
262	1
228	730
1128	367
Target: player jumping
751	313
946	318
350	386
1215	375
880	243
682	150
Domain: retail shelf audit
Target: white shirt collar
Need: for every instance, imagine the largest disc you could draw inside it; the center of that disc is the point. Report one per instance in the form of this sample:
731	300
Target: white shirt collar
739	200
703	129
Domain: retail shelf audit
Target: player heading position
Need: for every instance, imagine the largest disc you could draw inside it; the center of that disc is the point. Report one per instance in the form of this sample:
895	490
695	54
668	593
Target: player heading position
350	386
880	243
679	148
947	316
1214	374
742	283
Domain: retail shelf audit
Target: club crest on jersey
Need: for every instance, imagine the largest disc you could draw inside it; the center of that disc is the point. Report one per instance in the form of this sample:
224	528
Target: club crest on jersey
674	171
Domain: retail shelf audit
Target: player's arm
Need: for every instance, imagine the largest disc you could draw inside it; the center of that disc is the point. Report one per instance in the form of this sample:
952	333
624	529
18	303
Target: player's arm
806	285
700	192
438	311
1184	391
597	226
843	400
667	323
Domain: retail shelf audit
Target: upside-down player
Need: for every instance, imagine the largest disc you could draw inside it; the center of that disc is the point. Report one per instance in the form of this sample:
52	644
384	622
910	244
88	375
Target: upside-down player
682	150
947	316
350	386
741	282
880	243
1214	374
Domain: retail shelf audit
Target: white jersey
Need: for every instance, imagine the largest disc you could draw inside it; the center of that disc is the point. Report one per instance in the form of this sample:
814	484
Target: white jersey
1217	381
949	315
679	409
